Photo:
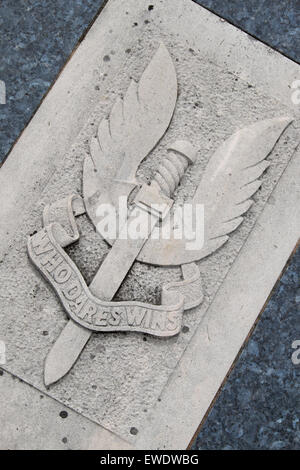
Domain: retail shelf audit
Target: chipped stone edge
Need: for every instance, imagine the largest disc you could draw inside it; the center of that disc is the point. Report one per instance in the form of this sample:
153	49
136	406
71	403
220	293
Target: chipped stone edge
40	150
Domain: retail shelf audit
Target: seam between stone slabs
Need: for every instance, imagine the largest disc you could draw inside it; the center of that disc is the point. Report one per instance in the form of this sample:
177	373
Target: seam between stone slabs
162	428
230	45
27	133
230	62
82	416
80	40
245	31
83	35
242	347
236	258
236	28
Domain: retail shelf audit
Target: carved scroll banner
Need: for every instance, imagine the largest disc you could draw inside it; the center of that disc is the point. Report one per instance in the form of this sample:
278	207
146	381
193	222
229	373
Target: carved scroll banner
45	249
122	141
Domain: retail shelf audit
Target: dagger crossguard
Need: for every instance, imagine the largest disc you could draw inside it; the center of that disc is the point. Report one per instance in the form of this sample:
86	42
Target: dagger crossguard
171	170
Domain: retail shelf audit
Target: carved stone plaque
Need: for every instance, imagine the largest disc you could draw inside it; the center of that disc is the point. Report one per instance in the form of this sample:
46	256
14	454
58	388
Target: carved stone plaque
177	135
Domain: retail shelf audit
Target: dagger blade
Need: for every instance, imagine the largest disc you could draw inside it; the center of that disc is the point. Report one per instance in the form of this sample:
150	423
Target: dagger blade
119	260
105	285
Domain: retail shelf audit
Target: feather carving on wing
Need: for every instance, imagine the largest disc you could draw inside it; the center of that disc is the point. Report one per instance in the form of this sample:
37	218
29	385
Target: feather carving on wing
229	181
134	127
137	122
232	176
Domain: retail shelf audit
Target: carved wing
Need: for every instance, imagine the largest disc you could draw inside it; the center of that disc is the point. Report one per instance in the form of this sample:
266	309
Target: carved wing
232	177
137	122
227	185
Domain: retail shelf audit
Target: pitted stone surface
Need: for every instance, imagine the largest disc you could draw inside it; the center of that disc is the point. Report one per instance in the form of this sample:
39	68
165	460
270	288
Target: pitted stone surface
119	376
30	420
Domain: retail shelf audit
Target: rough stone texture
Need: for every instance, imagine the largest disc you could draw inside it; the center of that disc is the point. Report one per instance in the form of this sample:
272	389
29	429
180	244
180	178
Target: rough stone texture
275	23
24	108
119	377
30	420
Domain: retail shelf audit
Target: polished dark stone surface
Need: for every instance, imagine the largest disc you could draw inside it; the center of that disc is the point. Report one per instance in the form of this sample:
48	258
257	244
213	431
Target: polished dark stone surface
277	23
37	37
258	407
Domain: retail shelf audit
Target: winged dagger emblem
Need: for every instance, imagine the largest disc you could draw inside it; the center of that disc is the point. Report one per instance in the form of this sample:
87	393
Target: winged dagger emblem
132	130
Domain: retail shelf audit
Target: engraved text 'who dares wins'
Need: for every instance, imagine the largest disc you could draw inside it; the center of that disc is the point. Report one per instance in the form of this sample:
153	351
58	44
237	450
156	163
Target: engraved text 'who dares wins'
134	127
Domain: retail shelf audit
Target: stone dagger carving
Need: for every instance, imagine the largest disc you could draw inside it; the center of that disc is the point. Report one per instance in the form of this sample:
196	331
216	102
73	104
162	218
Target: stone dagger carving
111	275
133	129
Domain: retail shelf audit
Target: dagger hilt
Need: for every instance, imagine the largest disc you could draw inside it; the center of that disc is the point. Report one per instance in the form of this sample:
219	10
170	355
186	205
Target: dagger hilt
169	173
156	198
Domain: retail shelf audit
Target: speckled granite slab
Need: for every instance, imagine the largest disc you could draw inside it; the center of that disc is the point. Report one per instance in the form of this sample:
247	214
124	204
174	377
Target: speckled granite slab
139	387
